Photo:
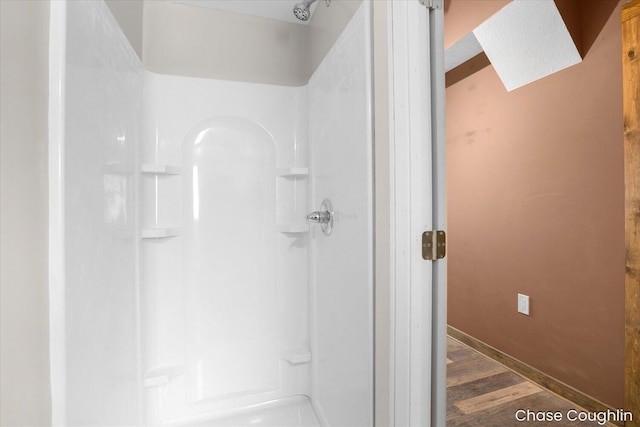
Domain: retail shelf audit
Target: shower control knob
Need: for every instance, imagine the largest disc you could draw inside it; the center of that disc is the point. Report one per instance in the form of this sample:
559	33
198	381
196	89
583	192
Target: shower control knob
324	217
319	217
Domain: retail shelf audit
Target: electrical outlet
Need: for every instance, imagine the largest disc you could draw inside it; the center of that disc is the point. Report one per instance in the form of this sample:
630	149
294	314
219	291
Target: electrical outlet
523	304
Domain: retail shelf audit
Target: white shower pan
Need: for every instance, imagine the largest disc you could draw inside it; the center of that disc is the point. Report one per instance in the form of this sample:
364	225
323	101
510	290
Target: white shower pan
294	411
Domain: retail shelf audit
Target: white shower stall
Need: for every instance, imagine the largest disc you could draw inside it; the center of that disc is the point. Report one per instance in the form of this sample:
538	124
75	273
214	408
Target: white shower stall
187	286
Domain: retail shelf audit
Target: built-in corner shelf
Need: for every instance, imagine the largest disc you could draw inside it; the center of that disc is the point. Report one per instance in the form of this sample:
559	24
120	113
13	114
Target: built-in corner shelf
159	232
292	172
293	228
162	375
297	355
160	169
290	191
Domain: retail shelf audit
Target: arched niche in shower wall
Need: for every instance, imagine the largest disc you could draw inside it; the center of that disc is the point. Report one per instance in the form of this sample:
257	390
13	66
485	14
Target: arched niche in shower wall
230	230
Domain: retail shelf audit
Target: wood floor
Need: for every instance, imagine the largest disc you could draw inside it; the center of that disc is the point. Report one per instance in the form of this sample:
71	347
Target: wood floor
483	393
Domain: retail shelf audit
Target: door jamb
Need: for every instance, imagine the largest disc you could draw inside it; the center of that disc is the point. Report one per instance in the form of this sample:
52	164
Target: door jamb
416	162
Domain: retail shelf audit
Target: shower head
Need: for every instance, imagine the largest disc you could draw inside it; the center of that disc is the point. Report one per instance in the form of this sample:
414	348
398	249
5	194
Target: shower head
301	10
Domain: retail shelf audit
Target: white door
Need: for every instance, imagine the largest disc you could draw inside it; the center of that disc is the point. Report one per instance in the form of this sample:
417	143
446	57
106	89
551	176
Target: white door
418	286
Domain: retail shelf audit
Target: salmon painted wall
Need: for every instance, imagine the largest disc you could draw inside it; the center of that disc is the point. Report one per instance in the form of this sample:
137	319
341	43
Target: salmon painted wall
536	206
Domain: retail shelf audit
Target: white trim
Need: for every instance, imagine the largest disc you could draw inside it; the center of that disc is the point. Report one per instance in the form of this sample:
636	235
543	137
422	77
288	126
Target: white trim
392	223
411	212
57	319
439	342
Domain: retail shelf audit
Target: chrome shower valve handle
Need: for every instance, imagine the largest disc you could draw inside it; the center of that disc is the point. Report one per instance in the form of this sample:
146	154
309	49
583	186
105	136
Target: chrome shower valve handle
324	217
319	217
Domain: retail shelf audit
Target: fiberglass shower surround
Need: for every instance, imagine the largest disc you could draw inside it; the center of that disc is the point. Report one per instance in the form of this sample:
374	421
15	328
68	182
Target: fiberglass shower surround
190	289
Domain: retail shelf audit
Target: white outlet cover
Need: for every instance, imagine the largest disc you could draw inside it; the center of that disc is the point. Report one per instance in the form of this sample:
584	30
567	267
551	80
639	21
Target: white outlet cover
523	304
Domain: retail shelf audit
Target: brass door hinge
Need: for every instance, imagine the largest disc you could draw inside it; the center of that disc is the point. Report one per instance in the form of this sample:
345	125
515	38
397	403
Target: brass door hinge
434	245
431	4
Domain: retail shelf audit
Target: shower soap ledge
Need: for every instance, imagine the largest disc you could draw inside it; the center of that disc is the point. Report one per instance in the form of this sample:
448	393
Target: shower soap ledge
293	228
292	172
156	381
159	233
297	355
160	169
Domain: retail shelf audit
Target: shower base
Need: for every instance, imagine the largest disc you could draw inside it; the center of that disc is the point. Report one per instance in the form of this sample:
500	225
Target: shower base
288	412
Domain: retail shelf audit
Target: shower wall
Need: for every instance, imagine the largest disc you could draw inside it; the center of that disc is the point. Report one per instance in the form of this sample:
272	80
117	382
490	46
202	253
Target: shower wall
93	257
224	245
341	144
185	40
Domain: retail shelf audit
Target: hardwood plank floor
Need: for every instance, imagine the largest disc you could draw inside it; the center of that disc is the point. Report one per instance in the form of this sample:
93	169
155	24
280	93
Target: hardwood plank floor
483	393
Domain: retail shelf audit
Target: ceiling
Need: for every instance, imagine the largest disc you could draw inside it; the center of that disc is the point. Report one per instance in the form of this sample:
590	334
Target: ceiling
275	9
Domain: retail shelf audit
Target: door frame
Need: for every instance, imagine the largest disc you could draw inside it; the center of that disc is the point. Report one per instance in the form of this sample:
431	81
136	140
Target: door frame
402	252
416	204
